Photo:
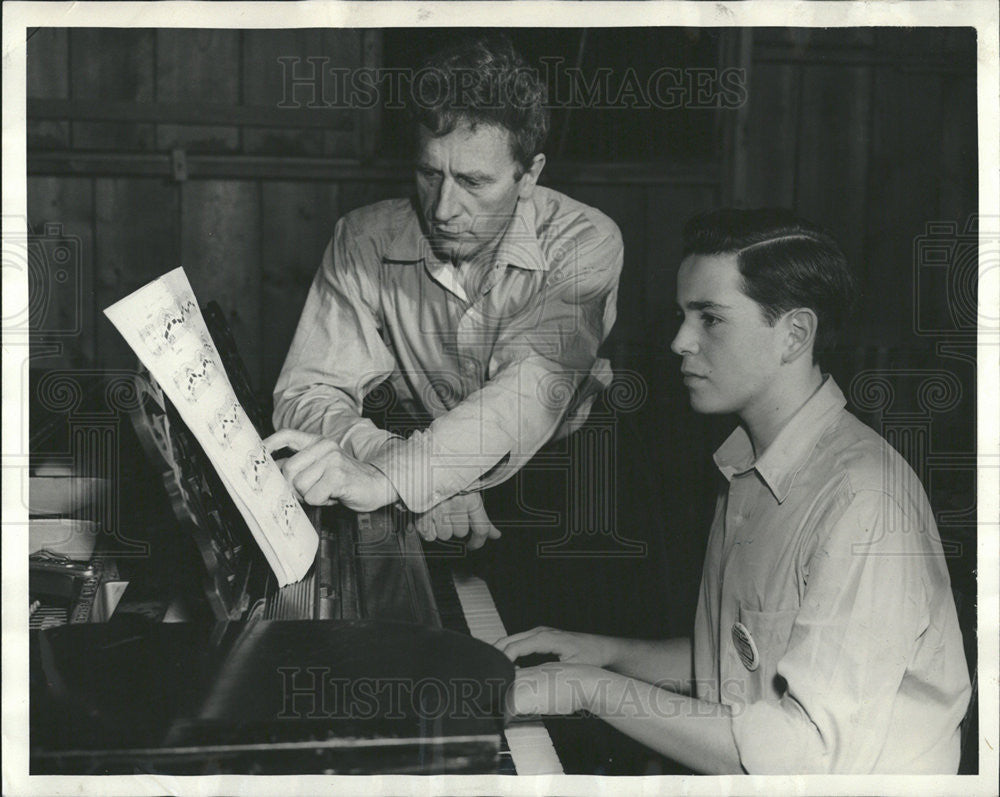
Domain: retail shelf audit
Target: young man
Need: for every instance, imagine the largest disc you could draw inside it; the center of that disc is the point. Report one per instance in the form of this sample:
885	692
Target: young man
826	638
482	305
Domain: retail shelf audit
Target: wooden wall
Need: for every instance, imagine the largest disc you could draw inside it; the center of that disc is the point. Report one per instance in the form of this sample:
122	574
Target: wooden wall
159	148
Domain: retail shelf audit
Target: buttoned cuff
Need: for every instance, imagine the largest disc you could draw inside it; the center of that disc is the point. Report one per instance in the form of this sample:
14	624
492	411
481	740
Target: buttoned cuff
423	472
364	440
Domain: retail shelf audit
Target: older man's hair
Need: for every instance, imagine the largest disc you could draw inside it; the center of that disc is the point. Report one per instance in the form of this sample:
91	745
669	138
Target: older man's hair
785	263
483	81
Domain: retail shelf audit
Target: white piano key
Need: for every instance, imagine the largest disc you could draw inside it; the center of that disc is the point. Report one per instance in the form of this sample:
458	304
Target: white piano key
529	742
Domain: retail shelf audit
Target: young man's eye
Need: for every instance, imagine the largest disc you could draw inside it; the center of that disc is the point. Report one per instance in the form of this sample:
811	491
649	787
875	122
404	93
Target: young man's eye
710	320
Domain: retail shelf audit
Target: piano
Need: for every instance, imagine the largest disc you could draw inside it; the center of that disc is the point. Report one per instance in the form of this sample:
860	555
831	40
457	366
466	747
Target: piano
179	683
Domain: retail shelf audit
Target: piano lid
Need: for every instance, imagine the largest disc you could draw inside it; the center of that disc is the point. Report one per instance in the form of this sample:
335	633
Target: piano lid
161	690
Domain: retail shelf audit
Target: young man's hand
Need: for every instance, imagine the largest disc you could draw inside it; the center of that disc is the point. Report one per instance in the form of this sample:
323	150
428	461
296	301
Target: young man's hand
461	516
321	473
553	689
572	648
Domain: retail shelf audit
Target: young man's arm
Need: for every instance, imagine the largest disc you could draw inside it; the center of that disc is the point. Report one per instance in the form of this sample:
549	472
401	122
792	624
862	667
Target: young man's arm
666	662
695	733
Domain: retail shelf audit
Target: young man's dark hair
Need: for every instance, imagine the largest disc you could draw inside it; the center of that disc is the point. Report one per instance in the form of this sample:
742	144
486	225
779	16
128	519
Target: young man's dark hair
785	263
483	81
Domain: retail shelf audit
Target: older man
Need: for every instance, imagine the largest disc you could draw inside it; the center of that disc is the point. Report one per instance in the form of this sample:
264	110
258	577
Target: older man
482	304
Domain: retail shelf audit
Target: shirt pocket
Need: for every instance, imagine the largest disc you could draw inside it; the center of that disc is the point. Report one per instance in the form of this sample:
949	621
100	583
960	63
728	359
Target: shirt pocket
770	632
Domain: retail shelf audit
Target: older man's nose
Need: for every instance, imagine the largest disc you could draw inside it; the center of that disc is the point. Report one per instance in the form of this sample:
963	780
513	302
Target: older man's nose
445	203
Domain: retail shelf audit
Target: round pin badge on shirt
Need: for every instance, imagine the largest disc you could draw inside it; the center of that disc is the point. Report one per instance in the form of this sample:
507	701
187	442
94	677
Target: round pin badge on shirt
746	647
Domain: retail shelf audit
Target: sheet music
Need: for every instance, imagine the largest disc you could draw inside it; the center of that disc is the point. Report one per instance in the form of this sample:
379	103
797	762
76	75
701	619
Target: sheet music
163	324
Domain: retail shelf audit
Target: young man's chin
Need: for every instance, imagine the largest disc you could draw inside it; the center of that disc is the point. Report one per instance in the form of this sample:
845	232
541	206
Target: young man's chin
704	403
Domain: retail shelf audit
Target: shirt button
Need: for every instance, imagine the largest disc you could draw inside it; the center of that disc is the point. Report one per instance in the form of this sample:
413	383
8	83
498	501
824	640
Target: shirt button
469	367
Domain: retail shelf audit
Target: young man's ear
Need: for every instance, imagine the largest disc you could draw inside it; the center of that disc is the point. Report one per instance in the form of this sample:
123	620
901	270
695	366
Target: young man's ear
530	177
801	325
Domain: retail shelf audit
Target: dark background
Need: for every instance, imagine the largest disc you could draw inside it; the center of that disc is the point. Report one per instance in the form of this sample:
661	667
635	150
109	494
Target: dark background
149	149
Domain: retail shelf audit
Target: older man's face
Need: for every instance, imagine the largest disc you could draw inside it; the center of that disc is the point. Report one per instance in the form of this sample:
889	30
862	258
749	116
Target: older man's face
468	184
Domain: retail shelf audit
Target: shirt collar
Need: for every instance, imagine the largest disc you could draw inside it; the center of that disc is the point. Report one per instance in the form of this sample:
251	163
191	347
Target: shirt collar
790	450
518	247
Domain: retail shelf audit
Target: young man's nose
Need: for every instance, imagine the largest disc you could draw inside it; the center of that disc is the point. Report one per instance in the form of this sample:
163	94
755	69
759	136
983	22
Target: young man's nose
683	342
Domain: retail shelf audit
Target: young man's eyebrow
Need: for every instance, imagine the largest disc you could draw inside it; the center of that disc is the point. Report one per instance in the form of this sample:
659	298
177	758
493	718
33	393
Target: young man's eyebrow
706	305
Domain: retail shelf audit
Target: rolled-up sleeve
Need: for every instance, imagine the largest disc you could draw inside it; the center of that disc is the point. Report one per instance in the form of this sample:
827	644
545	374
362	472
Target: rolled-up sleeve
862	612
541	357
337	355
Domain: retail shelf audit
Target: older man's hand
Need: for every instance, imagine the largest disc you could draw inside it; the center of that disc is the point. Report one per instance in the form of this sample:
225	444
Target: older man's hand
460	517
321	473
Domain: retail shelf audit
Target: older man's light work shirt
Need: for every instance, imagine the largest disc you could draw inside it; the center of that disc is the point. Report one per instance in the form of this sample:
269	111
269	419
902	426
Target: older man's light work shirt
502	356
826	553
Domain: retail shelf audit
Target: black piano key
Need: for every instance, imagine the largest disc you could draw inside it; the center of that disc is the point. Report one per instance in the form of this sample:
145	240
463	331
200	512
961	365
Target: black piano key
443	587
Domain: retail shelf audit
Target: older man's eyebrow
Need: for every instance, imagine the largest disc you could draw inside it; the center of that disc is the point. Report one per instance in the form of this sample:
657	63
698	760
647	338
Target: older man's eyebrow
478	177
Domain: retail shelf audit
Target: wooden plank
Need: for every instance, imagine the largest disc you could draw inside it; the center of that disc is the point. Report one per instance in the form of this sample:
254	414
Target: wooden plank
392	171
61	266
667	210
220	251
369	122
47	63
832	156
626	207
197	113
959	150
356	194
47	75
111	65
904	180
297	221
285	86
198	66
772	121
138	239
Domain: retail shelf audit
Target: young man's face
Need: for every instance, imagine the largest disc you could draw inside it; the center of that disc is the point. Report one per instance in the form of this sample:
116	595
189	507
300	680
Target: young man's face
731	354
468	184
